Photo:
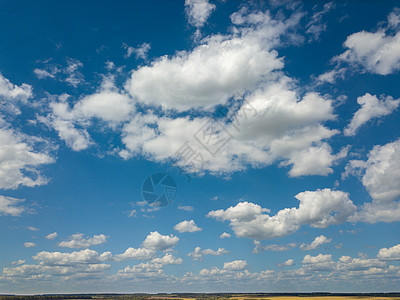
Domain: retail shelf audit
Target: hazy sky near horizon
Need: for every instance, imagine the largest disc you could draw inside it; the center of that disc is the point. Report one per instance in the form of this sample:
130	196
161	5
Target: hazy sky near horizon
199	146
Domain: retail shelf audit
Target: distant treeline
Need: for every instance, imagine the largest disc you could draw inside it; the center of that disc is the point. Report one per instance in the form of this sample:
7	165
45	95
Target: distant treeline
181	296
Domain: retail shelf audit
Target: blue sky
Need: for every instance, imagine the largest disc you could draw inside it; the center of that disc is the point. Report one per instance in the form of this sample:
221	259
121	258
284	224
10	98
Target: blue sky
278	122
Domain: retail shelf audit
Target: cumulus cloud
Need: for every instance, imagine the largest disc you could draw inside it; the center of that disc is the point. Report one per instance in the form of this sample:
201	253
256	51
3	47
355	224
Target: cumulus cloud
78	241
29	245
273	124
11	94
187	226
11	206
215	70
198	254
157	241
108	104
235	265
380	176
19	162
318	241
392	253
86	256
371	107
375	52
198	11
320	208
288	263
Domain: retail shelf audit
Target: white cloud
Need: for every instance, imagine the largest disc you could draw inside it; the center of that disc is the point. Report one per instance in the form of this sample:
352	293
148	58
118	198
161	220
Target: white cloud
167	259
319	209
198	254
31	228
68	73
11	206
215	70
235	265
371	107
108	104
18	262
86	256
321	262
318	241
187	226
272	247
315	27
51	236
136	253
224	235
140	52
11	94
186	208
392	253
78	241
76	139
29	245
157	241
19	162
198	11
380	175
288	263
375	52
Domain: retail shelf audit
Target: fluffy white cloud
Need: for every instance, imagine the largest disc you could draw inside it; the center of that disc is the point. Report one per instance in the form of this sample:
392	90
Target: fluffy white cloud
11	94
392	253
198	11
376	52
78	241
321	262
187	226
288	263
224	235
29	245
235	265
215	70
318	241
76	139
108	104
380	175
371	107
86	256
136	253
167	259
51	236
11	206
157	241
198	254
9	90
357	264
273	124
19	162
319	208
